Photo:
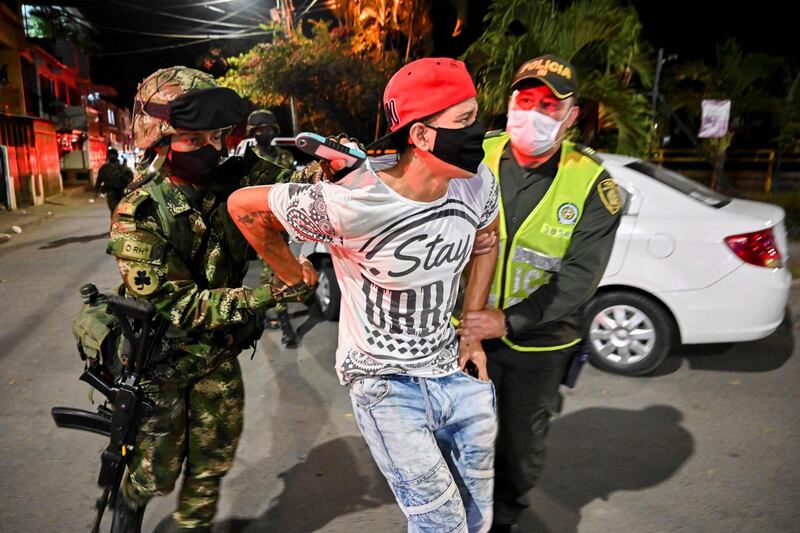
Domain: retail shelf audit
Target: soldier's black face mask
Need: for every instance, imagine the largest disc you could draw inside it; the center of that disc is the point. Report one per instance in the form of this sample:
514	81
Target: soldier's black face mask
198	167
264	138
461	147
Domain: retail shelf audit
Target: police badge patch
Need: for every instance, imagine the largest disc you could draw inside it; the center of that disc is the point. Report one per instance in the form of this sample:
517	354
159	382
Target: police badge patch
568	214
609	195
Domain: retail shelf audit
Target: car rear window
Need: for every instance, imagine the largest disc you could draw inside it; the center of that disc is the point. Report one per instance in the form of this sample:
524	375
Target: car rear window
680	183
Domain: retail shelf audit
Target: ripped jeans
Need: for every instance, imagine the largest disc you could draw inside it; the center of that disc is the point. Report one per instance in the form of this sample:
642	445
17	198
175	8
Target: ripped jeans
433	439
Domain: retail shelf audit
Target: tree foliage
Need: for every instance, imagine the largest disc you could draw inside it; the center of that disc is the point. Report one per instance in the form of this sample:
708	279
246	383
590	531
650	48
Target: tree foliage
380	25
601	38
746	79
334	88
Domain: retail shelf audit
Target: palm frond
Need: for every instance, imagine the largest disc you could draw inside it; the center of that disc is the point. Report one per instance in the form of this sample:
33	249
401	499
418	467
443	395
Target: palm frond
626	109
602	38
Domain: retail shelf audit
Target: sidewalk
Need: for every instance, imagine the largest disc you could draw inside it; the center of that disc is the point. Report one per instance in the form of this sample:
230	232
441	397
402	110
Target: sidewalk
26	217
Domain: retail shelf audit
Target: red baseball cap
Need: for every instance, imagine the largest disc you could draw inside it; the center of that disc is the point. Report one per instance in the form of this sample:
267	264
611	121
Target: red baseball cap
423	88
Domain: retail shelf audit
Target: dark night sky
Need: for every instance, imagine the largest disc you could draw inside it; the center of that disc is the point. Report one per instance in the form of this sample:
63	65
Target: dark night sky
690	28
686	28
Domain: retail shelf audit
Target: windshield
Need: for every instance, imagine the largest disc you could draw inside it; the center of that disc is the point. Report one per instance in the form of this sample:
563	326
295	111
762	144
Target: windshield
680	183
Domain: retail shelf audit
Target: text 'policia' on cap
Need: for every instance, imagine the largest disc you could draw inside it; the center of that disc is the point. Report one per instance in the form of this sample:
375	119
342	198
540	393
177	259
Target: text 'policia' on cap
557	74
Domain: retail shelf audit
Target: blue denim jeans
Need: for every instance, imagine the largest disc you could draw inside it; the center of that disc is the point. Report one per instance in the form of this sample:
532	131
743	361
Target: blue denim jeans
433	439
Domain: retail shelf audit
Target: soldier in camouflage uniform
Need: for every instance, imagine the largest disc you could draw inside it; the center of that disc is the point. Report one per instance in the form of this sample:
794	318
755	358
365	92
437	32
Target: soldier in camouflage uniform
112	178
262	126
176	246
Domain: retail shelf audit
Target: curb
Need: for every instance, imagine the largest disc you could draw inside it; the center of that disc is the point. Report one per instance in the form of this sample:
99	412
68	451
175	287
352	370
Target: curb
29	216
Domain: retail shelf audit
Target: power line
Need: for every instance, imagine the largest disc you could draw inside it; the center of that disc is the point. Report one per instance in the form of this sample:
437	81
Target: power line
308	7
153	49
205	22
176	35
211	4
166	25
247	4
198	4
314	11
327	6
181	45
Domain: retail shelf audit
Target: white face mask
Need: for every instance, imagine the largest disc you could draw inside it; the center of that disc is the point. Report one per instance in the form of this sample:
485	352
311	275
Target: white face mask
533	133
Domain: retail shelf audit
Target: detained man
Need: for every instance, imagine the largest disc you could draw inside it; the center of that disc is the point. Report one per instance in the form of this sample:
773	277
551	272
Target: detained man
401	234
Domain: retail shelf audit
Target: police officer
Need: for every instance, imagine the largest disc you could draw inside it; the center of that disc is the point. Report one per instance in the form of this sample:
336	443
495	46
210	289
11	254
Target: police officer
176	247
112	178
559	214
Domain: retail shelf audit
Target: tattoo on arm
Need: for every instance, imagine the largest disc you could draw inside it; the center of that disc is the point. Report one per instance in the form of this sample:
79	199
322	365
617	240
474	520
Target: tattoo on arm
265	218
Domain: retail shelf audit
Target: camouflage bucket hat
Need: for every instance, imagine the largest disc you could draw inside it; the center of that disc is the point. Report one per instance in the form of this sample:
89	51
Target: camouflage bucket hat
157	91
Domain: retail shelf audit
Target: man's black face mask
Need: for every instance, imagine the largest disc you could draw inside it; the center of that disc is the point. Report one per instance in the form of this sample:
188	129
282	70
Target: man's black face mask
461	147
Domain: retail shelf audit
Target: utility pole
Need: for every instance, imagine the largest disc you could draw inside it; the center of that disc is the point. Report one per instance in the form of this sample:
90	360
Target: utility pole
286	8
659	64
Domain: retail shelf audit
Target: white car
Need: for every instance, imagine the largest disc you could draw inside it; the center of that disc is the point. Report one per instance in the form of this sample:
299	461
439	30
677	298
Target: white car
689	265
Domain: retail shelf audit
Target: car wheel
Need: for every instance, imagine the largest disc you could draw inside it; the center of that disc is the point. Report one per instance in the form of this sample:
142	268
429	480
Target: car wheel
328	296
627	333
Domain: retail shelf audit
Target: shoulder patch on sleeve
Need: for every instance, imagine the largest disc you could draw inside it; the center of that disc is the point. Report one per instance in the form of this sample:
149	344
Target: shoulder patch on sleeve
137	246
123	226
141	279
131	201
609	195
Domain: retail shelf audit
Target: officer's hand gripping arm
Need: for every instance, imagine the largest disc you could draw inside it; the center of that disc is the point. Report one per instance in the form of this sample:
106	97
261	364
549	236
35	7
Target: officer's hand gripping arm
480	271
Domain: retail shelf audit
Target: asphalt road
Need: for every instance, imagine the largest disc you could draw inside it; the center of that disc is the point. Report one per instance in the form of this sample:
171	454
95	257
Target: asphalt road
709	443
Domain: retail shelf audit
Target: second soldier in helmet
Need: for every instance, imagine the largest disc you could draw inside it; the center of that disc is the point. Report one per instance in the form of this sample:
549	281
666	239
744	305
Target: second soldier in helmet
262	128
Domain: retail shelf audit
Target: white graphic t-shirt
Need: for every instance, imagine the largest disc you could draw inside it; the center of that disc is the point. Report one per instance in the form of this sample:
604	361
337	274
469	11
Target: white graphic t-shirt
398	264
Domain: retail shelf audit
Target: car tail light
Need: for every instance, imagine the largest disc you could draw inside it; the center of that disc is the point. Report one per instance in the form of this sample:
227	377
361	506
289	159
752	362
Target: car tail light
757	248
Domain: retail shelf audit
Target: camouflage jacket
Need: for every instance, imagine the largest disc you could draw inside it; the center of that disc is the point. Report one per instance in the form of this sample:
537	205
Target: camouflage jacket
279	156
189	260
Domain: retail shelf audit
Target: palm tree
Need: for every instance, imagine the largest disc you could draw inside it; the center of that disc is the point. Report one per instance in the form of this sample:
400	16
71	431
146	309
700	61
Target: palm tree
378	25
787	113
733	75
601	38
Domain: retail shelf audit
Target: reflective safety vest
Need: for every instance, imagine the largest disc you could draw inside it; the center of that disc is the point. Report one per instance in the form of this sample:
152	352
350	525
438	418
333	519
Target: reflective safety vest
539	246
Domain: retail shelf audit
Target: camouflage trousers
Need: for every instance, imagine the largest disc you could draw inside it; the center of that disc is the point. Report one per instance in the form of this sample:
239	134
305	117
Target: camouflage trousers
199	421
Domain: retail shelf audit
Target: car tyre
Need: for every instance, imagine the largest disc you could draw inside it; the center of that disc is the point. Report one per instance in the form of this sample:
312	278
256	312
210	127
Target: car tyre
328	295
627	333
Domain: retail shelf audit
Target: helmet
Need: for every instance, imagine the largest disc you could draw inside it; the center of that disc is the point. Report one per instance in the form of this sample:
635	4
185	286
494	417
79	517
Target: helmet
162	87
185	98
260	118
